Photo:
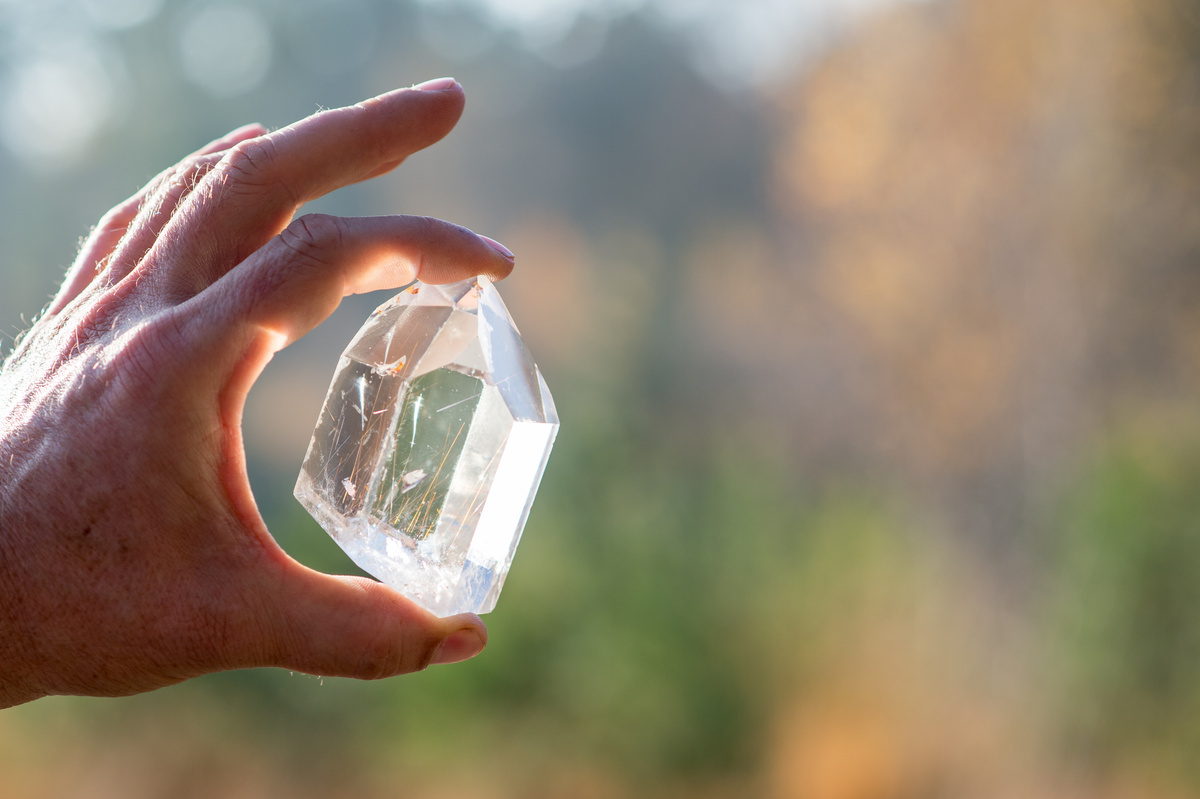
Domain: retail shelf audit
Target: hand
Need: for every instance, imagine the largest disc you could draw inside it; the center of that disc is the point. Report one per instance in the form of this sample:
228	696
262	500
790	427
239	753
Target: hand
132	554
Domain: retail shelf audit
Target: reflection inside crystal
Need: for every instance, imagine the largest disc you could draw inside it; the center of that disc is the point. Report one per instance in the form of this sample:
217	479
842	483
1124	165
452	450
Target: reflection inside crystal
431	445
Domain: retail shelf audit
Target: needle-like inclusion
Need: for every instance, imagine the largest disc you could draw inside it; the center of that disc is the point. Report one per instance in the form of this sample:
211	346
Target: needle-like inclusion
430	447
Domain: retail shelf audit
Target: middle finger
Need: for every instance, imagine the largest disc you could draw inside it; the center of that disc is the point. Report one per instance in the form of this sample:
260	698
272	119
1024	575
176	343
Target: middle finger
252	194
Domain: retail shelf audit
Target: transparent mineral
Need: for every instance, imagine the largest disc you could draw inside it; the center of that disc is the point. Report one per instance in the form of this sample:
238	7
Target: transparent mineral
431	445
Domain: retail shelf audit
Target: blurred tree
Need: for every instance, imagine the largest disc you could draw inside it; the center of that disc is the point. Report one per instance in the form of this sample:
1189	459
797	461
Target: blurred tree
805	346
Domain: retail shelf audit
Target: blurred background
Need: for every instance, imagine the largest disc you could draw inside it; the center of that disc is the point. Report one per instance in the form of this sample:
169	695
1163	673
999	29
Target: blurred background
875	332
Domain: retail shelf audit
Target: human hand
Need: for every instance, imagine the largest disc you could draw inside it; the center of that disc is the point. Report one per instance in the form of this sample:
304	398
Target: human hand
132	554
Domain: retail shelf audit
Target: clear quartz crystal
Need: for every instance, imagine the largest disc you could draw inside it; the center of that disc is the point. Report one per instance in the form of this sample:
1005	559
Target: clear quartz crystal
431	445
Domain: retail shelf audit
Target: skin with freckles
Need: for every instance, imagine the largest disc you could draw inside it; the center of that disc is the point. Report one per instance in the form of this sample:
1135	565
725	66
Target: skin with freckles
132	555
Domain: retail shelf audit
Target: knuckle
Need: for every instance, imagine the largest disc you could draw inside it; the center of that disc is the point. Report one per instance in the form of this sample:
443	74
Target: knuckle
195	169
428	229
149	348
251	166
176	184
426	226
249	159
383	658
368	104
313	237
117	219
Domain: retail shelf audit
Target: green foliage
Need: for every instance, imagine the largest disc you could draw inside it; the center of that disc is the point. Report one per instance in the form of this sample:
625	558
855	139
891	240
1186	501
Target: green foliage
1126	629
669	589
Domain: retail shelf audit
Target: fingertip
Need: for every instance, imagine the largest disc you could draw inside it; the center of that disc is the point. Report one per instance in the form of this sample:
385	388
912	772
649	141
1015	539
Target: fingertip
441	90
418	116
499	271
438	85
465	620
500	267
247	131
463	644
356	627
498	247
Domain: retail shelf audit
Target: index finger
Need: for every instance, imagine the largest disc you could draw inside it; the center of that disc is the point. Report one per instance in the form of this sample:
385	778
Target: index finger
255	190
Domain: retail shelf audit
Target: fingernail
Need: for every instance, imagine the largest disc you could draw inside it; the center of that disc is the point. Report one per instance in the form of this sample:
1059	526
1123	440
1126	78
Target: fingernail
498	247
435	85
458	646
257	127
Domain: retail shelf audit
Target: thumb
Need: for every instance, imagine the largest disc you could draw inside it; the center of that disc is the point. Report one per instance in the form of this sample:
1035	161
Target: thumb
356	627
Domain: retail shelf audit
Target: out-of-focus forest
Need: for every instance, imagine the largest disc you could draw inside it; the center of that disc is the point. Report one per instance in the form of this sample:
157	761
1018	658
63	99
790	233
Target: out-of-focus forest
879	473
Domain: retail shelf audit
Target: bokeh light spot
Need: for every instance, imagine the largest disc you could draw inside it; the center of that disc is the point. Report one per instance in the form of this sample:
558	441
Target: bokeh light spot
56	103
120	14
225	49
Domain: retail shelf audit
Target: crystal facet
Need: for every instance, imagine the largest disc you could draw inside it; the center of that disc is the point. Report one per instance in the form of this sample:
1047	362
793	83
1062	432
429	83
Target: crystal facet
431	445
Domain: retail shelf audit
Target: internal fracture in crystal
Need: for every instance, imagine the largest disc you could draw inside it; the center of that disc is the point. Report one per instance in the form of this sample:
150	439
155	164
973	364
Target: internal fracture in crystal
431	444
